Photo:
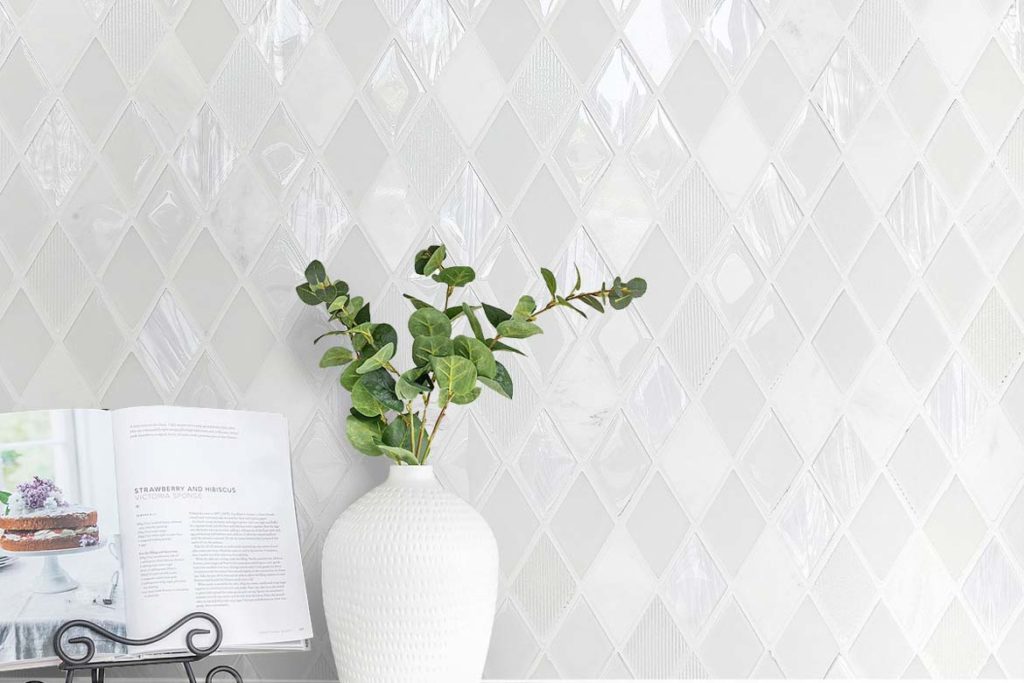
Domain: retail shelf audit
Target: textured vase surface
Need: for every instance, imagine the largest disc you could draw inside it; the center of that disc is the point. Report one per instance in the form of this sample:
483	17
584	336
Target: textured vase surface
410	580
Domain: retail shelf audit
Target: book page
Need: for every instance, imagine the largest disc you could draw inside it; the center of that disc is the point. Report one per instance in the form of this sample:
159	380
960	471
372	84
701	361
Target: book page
60	541
209	523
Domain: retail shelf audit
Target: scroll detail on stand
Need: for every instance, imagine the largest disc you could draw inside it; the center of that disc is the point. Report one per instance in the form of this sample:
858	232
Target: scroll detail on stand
83	649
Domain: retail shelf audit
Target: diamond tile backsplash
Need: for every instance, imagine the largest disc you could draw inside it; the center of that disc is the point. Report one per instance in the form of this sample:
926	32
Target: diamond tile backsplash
800	455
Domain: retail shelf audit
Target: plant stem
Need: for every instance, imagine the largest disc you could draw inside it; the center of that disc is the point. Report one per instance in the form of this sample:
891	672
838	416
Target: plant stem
423	431
600	293
437	425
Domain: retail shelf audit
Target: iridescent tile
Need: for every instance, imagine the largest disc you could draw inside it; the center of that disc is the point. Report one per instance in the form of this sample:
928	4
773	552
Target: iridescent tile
393	89
658	153
166	216
956	404
620	466
993	589
732	31
281	152
545	463
694	585
771	218
808	524
620	95
432	31
657	402
844	468
919	217
582	153
280	31
843	93
657	31
57	154
167	343
468	216
205	156
318	216
132	152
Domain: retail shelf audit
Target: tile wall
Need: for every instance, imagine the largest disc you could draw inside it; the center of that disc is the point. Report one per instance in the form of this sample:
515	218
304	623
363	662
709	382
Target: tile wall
800	455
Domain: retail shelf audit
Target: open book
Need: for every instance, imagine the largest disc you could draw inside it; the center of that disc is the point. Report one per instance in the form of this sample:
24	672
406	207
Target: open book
134	517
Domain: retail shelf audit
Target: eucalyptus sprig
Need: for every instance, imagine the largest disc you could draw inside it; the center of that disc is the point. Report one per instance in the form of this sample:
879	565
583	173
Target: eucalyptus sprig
391	408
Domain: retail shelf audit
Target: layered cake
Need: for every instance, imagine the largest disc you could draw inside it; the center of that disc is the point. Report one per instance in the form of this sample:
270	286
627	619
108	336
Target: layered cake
39	518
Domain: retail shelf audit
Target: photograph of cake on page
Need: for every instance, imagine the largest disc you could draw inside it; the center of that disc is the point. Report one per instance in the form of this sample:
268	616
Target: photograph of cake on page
134	517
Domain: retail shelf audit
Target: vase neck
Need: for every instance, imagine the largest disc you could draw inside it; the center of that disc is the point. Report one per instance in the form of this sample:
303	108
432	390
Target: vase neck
409	475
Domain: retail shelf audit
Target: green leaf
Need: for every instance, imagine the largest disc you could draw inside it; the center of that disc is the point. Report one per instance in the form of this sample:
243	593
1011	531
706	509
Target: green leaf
637	286
331	333
477	352
435	260
397	434
362	338
364	434
336	355
362	315
423	258
549	280
412	383
456	276
380	386
455	375
307	295
579	279
562	301
316	275
524	308
350	375
593	303
429	322
495	315
377	360
518	329
338	304
417	303
501	382
502	346
453	312
464	399
424	348
401	455
4	497
474	322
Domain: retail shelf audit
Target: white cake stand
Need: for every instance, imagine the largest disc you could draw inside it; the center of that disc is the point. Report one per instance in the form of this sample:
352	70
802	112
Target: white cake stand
53	578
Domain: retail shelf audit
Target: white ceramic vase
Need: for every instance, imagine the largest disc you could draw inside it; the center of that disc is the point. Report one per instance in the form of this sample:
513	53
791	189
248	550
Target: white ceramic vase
410	581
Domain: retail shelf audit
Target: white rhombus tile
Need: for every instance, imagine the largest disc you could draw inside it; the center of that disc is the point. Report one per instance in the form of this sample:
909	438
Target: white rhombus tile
244	216
731	648
544	219
919	342
204	281
170	91
166	216
732	525
695	93
619	214
167	343
132	278
468	462
733	401
733	280
956	649
511	519
1012	278
273	275
918	589
881	527
432	32
657	30
280	152
469	89
656	539
881	404
844	469
658	153
993	590
512	649
733	30
280	31
93	217
808	281
544	587
582	154
956	404
619	466
993	219
769	586
880	278
845	591
656	402
620	95
244	93
772	93
58	280
808	33
207	32
318	216
581	646
771	462
881	650
468	217
694	586
810	153
507	155
919	218
994	342
392	213
955	528
56	155
807	401
956	154
431	153
619	585
206	156
132	153
844	218
844	342
919	93
130	386
94	90
581	507
545	464
357	31
583	406
94	341
993	91
27	343
808	524
919	467
881	154
733	152
394	90
695	218
507	29
992	464
657	649
770	218
884	33
24	91
954	32
242	321
807	647
581	30
131	32
317	94
843	93
772	337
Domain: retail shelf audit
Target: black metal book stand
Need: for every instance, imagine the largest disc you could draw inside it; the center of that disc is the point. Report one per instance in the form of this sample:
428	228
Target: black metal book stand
72	663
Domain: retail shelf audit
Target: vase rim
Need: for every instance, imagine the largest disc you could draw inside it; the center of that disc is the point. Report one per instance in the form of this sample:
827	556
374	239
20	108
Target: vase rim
411	473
